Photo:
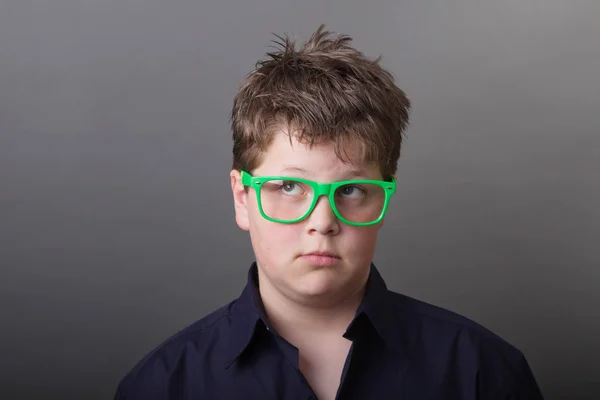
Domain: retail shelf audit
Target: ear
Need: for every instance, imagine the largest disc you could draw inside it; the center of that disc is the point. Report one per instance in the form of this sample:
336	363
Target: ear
240	200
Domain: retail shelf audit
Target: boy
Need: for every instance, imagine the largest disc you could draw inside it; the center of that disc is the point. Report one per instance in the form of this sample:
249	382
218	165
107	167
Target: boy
317	135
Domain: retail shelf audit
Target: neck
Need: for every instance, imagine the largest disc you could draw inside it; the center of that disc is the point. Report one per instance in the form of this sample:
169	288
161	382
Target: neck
292	316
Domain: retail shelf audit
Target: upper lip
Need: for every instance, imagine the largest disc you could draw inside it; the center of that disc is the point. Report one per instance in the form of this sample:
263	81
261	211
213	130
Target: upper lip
321	253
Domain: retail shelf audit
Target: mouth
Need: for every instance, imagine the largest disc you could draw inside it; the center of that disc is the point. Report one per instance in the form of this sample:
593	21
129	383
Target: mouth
323	258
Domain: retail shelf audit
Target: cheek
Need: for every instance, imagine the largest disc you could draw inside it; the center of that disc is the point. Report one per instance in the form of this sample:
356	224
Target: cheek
361	241
272	242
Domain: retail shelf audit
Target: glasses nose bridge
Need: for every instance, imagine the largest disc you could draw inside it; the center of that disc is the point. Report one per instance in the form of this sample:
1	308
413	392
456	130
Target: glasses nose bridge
322	189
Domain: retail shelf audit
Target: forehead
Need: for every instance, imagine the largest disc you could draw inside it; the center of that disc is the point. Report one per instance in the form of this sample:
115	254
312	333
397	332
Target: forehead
285	154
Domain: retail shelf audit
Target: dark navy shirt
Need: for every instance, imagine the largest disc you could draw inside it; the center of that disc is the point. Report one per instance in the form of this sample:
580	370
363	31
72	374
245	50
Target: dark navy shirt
402	348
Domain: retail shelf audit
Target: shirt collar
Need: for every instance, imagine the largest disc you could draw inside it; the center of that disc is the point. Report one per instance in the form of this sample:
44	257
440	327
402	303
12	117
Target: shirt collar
378	308
247	314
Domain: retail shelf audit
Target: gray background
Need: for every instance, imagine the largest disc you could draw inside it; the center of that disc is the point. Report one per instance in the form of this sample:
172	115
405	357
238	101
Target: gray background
117	226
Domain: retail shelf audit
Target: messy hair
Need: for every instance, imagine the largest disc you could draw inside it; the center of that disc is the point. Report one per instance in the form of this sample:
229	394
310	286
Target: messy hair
326	91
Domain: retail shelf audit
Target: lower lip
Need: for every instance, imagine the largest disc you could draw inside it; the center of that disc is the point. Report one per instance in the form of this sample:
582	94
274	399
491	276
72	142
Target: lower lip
321	260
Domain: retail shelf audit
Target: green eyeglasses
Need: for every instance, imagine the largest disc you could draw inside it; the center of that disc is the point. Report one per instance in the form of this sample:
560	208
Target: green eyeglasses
288	200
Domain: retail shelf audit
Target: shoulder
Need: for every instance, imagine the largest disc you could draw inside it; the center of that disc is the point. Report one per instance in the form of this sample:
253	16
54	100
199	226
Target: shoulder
428	316
443	336
149	377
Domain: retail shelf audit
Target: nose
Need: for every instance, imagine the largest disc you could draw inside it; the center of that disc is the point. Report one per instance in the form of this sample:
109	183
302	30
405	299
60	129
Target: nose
322	219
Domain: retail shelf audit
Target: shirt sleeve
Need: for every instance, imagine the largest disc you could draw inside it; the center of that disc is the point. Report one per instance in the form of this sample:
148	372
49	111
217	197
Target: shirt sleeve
505	374
523	385
148	382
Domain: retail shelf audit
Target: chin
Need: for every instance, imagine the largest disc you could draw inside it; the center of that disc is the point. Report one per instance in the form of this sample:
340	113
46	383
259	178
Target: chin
317	282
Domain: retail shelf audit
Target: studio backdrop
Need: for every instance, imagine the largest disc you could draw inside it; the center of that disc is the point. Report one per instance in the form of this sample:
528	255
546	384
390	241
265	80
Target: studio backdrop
116	215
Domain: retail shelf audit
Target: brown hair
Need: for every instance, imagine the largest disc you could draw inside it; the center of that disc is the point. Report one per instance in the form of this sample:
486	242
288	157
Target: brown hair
326	91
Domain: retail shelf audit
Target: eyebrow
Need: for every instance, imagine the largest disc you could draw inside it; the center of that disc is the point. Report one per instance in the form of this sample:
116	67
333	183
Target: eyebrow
353	173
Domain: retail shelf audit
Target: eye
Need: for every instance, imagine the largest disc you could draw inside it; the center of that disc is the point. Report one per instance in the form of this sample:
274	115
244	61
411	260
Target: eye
290	188
351	191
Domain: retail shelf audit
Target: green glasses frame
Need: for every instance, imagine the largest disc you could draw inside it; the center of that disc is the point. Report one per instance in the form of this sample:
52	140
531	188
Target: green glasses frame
319	189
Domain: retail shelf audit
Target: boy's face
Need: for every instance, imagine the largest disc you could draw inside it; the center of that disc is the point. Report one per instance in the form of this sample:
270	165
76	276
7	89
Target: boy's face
281	249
